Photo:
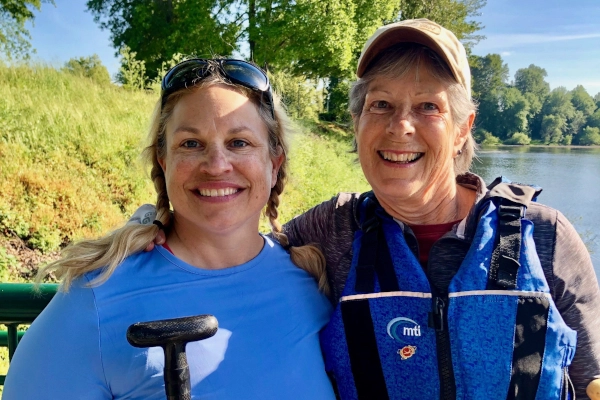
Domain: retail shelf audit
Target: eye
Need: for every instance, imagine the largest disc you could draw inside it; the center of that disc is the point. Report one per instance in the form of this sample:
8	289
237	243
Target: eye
429	107
239	143
190	144
380	104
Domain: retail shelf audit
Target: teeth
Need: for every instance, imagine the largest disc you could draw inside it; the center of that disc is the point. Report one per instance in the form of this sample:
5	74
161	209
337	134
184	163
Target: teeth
217	192
403	157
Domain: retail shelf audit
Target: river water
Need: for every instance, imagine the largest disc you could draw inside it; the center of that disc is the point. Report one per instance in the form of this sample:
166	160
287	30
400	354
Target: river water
570	178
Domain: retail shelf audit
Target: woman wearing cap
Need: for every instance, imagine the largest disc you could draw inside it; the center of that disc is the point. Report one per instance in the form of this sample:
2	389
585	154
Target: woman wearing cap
444	289
218	156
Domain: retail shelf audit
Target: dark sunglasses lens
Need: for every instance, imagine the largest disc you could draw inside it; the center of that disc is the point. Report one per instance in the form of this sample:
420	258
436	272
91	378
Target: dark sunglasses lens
184	74
246	74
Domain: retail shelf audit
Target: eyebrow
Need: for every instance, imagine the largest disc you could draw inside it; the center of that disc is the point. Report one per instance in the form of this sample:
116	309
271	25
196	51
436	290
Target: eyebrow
192	130
239	129
188	129
378	88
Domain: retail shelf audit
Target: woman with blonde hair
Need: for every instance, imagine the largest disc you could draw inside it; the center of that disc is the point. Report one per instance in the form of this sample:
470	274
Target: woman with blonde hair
218	157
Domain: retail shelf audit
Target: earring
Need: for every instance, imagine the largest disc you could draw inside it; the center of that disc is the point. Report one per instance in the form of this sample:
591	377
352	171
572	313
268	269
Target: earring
458	153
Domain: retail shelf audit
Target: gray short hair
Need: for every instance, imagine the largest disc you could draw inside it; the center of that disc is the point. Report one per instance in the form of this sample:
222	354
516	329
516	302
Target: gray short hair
395	62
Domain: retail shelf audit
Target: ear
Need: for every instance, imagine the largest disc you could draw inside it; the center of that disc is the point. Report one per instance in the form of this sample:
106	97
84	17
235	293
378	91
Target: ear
276	161
462	133
162	163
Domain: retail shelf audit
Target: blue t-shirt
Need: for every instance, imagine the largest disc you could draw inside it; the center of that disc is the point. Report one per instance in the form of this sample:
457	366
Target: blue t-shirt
267	346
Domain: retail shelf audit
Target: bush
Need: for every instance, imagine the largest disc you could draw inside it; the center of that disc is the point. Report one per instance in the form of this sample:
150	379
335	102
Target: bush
299	95
88	67
519	138
132	73
486	138
590	136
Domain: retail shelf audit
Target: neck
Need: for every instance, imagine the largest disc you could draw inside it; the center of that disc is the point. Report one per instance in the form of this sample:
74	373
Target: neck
436	205
210	250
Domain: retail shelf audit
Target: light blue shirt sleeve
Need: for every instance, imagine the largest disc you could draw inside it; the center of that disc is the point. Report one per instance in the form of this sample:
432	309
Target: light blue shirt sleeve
59	356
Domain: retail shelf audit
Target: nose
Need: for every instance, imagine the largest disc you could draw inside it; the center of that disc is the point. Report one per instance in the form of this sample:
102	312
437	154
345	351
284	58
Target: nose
401	122
216	161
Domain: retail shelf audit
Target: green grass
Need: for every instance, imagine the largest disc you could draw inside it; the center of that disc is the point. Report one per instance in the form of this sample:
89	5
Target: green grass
68	155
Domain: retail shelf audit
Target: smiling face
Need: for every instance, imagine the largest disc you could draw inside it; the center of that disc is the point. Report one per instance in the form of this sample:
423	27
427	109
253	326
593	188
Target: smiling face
406	138
218	168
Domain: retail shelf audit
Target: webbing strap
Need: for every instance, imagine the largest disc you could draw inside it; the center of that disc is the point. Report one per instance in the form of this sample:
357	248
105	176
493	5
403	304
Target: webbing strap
505	258
365	363
374	256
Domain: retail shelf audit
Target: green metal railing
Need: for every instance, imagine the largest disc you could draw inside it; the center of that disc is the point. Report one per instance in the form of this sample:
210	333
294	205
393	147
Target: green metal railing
20	304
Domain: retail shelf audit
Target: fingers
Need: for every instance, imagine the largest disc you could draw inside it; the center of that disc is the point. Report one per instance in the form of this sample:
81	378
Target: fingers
593	389
160	238
150	247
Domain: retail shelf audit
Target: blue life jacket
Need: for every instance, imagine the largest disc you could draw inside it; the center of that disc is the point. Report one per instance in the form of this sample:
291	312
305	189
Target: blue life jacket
496	333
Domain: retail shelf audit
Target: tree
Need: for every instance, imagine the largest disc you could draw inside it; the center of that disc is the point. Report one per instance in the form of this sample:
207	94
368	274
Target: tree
553	128
14	37
582	101
513	112
594	119
590	136
312	38
451	14
89	67
156	30
490	74
558	106
531	82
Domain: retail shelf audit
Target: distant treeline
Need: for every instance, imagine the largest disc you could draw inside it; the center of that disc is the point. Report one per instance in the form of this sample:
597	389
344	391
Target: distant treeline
526	110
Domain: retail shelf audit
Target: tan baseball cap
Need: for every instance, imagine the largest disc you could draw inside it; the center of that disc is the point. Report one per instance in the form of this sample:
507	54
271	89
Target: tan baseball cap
425	32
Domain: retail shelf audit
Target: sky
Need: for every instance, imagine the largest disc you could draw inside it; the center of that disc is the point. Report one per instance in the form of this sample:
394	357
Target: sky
563	37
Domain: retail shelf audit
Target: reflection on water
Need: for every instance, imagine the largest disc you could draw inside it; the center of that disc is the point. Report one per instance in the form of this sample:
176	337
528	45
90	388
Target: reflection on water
570	178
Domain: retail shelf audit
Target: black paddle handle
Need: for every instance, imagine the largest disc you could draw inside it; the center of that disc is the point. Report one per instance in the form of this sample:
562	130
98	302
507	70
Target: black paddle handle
173	335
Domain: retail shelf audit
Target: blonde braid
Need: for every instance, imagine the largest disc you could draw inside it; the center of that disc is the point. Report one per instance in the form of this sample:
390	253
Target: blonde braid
308	257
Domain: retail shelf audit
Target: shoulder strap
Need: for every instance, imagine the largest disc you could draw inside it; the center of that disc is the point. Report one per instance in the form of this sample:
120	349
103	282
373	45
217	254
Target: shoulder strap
374	256
512	201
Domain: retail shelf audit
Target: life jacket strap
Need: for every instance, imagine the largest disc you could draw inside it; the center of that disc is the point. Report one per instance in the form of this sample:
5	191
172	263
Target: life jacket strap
505	264
374	258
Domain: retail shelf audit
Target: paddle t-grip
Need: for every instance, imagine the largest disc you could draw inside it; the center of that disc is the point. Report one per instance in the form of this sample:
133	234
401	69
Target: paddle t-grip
172	335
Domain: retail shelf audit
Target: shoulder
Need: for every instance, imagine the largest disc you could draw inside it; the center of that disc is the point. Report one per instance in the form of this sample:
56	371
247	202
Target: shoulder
328	218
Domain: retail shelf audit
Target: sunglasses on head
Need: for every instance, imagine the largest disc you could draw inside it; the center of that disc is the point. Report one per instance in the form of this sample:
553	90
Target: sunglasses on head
189	72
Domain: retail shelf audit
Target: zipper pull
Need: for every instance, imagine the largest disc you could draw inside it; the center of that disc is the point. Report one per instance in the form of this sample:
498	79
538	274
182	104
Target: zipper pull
436	316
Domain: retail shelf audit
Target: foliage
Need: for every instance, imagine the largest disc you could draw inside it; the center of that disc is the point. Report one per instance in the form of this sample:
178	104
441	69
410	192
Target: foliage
299	95
89	67
490	74
198	27
518	138
280	35
132	73
531	83
451	14
68	152
528	109
7	262
14	37
590	136
513	109
582	101
553	128
486	138
336	101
